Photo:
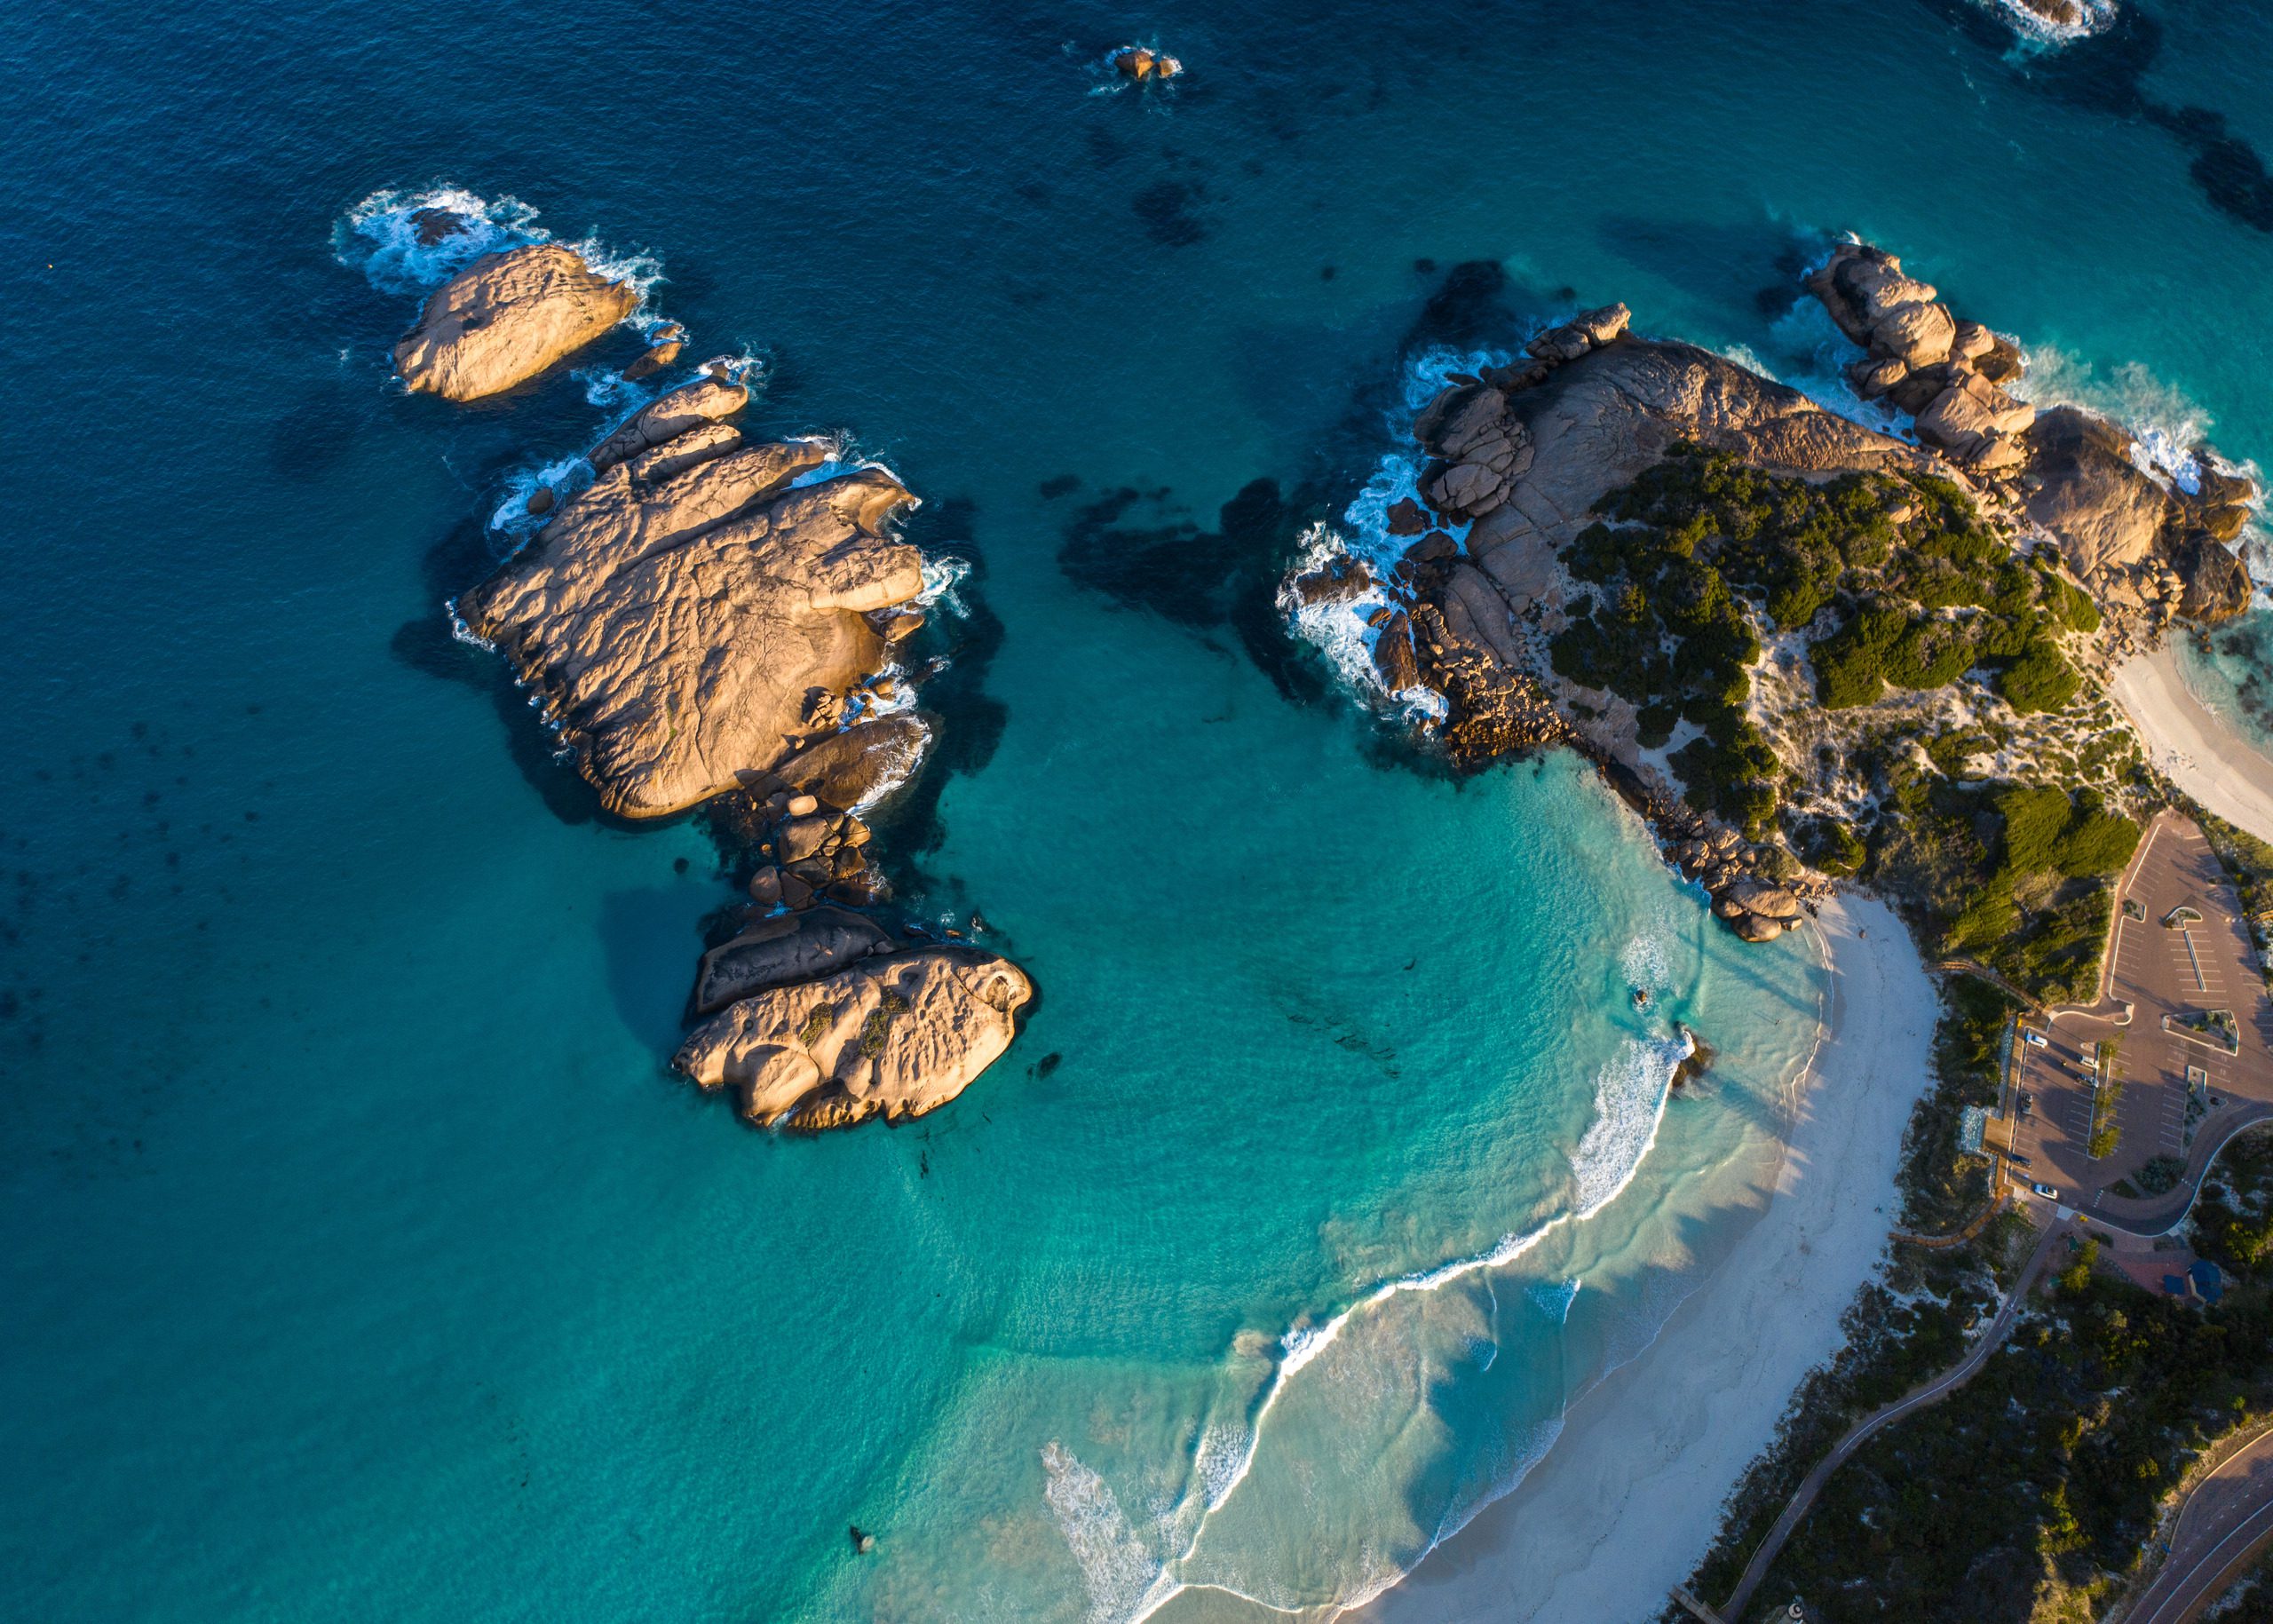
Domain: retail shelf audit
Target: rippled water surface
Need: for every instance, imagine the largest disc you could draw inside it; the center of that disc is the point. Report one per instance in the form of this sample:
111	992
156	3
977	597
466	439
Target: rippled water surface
362	1260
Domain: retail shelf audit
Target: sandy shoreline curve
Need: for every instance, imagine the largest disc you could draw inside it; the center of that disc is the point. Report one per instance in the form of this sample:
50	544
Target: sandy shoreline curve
2193	745
1627	1500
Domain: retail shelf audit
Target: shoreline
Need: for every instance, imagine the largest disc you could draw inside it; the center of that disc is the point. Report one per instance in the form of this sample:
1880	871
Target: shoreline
1631	1494
2192	745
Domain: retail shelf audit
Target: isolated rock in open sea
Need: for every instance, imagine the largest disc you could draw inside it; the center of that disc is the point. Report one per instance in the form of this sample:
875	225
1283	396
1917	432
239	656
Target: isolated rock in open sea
893	1037
507	317
691	617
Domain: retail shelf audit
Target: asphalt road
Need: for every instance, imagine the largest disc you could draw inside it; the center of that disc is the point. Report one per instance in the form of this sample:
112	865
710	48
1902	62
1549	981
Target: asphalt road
2223	1525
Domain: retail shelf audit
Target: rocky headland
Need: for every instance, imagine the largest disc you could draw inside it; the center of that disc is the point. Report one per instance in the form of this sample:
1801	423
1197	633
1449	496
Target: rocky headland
712	620
1804	649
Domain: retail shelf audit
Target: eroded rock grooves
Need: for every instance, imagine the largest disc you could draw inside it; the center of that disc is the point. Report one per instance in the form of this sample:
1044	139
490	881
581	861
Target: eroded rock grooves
710	619
506	318
1530	460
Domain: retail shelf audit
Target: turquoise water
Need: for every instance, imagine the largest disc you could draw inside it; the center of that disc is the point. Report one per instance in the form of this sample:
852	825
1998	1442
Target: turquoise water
361	1258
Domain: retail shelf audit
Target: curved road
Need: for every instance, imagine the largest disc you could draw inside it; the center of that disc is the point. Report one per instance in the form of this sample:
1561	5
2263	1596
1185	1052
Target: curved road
1956	1376
2225	1522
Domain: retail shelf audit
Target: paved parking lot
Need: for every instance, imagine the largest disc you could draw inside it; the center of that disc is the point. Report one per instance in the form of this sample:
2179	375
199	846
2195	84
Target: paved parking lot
2164	963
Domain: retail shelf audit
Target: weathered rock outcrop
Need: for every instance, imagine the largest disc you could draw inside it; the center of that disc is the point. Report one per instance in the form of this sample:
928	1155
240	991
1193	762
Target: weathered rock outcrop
2133	539
893	1037
507	317
691	616
701	621
783	949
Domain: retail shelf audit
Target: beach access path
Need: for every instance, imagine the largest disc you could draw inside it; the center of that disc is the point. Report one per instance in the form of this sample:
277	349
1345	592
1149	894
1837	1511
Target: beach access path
1925	1393
1617	1512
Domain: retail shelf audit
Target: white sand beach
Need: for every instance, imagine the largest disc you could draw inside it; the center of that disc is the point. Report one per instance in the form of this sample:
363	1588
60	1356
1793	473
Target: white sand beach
2190	743
1627	1500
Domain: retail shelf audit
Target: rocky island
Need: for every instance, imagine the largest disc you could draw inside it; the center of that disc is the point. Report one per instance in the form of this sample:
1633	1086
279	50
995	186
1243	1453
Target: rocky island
1806	650
710	620
506	318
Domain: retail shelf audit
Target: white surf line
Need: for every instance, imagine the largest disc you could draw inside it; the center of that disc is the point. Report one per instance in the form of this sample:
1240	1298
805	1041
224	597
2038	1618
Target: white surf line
1302	1347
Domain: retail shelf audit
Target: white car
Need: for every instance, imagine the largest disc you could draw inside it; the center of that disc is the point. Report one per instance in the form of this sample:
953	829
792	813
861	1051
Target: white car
2047	1192
2037	1038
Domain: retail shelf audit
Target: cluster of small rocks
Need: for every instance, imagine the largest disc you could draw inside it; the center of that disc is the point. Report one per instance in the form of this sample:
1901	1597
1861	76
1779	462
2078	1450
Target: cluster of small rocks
1946	373
1757	909
1143	65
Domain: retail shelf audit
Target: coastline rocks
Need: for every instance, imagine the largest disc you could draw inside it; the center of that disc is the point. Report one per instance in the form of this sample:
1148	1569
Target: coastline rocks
2078	477
691	617
507	317
893	1037
784	948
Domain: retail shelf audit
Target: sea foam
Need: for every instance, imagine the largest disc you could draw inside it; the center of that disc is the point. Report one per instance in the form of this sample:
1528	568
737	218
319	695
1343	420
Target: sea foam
1340	631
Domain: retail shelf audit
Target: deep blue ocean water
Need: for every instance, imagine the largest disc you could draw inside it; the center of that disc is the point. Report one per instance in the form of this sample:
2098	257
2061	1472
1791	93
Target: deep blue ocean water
361	1260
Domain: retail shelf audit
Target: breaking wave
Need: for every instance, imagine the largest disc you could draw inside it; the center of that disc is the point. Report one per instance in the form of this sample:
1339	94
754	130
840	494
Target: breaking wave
412	242
1343	631
1630	1093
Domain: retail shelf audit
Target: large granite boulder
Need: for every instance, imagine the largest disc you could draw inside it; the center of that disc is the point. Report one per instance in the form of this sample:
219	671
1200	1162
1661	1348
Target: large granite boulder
893	1037
2214	583
692	406
507	317
859	767
782	949
691	616
2106	513
1595	423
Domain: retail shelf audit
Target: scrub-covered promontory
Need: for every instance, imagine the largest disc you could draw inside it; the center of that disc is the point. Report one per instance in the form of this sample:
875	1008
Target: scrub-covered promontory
696	612
1807	649
507	317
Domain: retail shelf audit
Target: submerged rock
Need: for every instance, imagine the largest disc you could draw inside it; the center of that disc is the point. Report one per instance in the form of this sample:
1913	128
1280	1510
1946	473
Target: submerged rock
507	317
689	617
893	1037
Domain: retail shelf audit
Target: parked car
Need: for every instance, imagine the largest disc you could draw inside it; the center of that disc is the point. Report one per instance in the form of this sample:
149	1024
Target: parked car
2038	1038
2017	1159
2028	1101
2047	1192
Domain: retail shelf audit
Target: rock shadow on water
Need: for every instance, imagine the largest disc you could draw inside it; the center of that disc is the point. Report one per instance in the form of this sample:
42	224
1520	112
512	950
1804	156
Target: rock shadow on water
647	935
1140	551
426	643
1726	265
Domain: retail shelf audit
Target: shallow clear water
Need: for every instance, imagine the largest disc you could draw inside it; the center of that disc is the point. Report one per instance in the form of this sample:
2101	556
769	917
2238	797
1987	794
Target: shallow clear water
361	1258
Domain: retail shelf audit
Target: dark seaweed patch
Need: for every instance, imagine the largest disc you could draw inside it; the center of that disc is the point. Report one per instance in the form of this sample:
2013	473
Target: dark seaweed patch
1166	209
1059	485
2107	73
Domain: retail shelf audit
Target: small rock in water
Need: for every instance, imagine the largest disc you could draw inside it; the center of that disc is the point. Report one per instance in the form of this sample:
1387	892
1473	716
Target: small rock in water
802	805
861	1542
539	501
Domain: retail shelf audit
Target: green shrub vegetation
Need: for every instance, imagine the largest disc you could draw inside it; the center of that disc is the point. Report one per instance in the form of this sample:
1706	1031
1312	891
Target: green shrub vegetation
1904	581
